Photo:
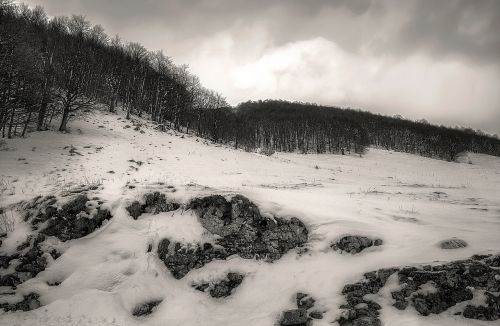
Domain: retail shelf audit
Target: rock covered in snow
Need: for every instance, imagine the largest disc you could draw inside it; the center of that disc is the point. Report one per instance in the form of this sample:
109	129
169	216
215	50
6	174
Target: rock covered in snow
430	289
29	302
154	203
181	258
243	231
489	310
355	243
75	219
295	317
146	308
222	288
304	301
303	315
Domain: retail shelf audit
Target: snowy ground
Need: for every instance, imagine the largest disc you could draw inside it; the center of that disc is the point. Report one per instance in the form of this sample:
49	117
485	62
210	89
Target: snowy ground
409	201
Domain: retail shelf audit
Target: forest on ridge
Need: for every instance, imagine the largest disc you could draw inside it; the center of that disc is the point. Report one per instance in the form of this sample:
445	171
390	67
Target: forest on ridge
51	68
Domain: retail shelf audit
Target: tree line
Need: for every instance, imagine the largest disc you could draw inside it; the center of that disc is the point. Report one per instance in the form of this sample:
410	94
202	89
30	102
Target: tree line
54	67
304	127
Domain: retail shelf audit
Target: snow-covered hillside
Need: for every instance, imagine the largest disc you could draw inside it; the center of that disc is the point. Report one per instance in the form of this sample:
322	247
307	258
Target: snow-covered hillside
410	202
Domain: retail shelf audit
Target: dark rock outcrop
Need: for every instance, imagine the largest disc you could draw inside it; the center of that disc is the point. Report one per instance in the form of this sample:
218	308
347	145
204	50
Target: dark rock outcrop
135	209
180	259
11	280
453	244
303	315
295	317
146	308
304	301
242	229
30	302
5	260
33	262
75	219
222	288
355	243
154	203
430	289
490	311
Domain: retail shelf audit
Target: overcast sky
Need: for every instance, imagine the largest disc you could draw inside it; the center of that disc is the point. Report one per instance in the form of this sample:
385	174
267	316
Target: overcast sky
438	60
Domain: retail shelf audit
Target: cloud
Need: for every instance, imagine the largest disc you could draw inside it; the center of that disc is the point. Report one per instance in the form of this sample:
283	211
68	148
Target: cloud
318	70
420	58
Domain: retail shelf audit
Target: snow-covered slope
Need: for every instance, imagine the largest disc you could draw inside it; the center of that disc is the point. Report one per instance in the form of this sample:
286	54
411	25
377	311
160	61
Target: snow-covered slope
410	202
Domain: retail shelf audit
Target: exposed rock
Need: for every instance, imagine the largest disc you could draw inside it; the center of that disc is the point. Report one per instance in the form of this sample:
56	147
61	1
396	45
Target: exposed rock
180	259
453	244
55	254
452	283
359	311
146	308
243	231
300	315
10	280
355	243
30	302
5	260
295	317
33	262
72	221
155	203
304	301
222	288
316	314
430	289
490	312
135	209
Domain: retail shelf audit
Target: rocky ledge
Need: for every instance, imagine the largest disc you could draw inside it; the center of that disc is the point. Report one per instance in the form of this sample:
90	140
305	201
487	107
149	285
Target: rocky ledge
354	244
304	314
152	203
430	290
221	288
241	229
76	217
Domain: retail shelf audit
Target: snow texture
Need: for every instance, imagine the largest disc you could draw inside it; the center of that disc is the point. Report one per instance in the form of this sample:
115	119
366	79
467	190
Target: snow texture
409	202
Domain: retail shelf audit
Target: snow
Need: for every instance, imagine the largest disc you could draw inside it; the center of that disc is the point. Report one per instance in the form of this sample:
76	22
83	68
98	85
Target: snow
410	202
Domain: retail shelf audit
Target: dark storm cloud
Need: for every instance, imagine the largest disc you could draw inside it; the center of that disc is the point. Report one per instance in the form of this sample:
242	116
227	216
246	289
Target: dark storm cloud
465	28
438	59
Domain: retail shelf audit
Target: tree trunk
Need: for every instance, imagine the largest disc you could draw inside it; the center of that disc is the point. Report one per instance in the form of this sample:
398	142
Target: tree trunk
64	120
26	124
9	134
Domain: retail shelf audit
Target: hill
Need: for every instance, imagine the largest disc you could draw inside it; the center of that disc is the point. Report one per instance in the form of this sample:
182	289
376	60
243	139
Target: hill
53	68
102	275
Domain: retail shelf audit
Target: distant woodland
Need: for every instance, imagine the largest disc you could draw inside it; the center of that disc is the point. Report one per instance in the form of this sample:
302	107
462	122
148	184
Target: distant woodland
52	68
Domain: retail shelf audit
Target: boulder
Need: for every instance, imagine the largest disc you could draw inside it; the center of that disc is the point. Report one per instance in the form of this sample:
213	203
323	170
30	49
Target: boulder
222	288
154	203
355	243
146	308
242	231
453	244
430	289
29	302
489	312
294	317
